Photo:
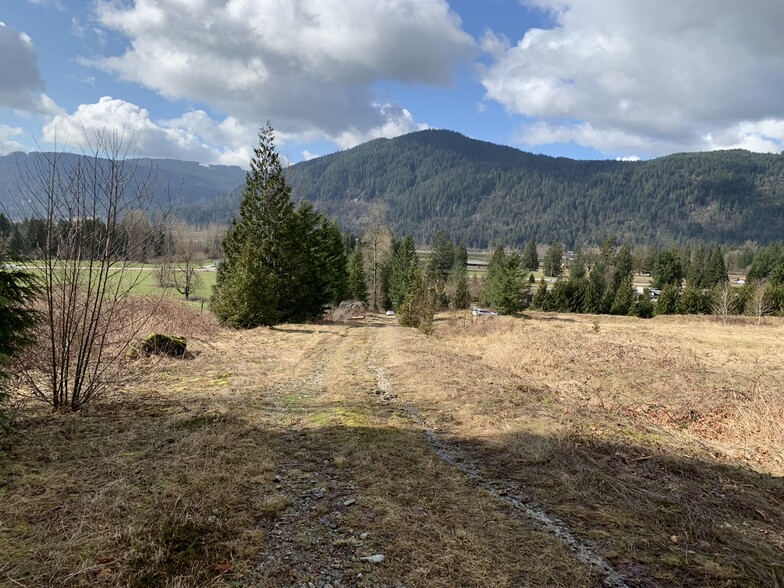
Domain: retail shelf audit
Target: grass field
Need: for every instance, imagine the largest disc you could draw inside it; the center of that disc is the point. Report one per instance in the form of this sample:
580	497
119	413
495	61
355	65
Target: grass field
278	457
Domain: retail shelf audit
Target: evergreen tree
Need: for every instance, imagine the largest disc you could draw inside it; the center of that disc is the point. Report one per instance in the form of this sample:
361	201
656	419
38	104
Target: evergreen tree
459	293
273	251
577	267
715	269
494	267
461	255
669	300
541	300
596	289
530	256
644	307
419	306
552	260
623	303
667	268
695	277
404	267
694	300
357	280
442	258
17	320
505	284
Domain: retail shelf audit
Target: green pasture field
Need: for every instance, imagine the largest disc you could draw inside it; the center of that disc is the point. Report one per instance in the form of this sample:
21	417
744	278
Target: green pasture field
142	280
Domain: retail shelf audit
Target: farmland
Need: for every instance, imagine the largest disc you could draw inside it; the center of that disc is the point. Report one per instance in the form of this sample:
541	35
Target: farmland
278	457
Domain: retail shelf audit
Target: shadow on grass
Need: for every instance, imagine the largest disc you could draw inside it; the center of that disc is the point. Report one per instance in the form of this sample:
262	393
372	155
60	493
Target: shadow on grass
153	490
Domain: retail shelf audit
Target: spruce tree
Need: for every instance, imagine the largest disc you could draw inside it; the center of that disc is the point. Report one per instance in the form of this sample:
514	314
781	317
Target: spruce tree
623	303
644	307
695	277
667	268
530	256
669	300
541	298
404	267
459	292
442	258
715	269
357	280
552	260
284	257
17	321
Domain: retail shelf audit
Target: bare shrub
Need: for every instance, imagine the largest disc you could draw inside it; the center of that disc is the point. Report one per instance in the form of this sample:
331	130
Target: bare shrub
94	212
346	310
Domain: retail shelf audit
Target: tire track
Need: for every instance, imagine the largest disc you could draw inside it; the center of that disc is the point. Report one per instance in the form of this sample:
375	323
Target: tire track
582	549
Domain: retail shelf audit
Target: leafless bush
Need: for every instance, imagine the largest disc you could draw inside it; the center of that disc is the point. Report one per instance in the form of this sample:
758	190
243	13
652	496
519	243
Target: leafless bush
94	210
346	310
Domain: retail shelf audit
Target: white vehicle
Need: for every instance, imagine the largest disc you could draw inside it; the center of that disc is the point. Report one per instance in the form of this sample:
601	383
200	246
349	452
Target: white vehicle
476	311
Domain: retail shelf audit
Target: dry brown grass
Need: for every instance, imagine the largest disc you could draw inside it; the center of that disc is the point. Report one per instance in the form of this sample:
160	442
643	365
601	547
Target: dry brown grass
199	472
659	440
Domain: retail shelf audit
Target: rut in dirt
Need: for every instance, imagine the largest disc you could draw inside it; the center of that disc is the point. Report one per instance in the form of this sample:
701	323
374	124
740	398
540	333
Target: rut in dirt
582	549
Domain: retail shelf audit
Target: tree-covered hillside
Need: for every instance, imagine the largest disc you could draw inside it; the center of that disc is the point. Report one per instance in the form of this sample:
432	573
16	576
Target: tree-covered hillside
483	193
180	183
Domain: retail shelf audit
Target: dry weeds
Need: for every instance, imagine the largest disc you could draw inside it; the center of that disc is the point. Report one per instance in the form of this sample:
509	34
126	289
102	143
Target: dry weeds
659	440
209	471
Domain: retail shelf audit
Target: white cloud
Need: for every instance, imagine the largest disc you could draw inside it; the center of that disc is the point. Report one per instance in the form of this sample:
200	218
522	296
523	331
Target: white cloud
20	80
396	121
654	77
194	136
7	143
307	65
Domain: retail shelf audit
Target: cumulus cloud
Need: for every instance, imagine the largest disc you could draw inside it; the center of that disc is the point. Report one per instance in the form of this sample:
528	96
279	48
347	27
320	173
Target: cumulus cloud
7	143
194	136
307	65
618	75
20	81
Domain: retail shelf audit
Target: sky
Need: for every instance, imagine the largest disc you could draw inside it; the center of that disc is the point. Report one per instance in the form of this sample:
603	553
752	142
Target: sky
589	79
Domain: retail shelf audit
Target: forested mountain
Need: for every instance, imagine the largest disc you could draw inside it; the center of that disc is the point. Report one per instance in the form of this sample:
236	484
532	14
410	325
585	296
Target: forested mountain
182	183
483	193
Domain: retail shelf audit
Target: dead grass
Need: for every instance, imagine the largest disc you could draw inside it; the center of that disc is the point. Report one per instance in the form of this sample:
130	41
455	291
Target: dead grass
199	472
659	440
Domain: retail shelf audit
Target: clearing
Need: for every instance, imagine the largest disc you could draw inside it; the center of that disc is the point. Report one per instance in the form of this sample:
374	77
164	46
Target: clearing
282	457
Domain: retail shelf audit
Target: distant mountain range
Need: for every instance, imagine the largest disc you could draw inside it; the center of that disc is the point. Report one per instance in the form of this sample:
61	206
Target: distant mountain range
483	193
182	183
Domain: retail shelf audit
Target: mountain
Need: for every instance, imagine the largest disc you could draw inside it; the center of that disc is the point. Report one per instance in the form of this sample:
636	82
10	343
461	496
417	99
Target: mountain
483	193
180	183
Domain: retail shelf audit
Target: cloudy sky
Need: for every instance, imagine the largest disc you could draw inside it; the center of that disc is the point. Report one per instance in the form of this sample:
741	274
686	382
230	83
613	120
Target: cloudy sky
194	79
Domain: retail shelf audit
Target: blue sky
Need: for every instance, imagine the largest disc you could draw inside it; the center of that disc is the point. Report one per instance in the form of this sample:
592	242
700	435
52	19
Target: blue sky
194	79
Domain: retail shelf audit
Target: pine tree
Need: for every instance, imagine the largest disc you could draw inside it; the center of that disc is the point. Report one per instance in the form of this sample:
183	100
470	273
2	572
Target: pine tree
644	307
442	258
357	280
623	303
17	320
404	267
419	306
596	289
669	300
530	256
667	268
541	298
695	277
459	293
552	260
285	257
715	269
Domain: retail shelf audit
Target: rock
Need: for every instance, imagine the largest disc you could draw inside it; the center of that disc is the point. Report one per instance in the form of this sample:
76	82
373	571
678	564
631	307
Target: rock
378	558
160	344
276	479
349	502
364	536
